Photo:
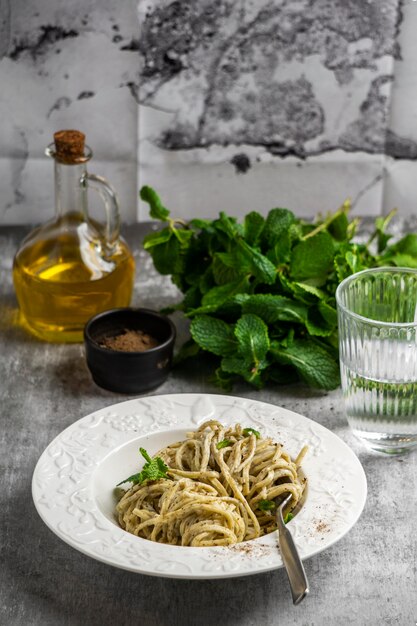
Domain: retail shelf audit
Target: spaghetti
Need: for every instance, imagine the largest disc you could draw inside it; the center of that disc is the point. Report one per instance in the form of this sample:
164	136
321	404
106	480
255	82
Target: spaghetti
219	480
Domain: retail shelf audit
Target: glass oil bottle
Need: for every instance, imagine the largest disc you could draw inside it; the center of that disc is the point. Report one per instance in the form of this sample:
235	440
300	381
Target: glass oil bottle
72	267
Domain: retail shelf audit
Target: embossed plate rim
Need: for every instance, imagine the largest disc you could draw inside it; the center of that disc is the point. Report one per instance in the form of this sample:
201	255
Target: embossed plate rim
63	491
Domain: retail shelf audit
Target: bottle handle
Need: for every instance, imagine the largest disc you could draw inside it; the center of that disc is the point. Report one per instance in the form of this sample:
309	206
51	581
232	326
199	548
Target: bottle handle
111	205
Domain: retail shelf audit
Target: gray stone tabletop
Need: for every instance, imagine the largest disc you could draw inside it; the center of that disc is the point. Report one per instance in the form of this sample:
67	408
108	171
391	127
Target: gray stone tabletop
369	577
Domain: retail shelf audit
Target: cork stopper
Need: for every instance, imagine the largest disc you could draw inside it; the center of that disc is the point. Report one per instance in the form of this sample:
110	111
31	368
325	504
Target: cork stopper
69	146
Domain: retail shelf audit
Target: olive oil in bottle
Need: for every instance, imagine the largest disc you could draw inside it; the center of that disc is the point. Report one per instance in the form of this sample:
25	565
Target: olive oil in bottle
72	267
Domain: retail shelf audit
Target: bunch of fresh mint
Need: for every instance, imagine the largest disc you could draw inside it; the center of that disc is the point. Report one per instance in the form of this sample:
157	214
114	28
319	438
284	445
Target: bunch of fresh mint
261	294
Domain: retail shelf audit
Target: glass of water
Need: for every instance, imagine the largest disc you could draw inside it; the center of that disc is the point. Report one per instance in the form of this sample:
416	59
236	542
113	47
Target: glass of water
377	312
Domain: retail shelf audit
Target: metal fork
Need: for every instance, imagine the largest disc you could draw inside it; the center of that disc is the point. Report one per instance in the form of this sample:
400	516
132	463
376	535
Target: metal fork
292	562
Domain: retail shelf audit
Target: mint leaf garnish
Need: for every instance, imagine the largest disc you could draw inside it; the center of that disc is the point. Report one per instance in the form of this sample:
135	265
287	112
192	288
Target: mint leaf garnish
270	505
223	444
154	469
251	431
266	505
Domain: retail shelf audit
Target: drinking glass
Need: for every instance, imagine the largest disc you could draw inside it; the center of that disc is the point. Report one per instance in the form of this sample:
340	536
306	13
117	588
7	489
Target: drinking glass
377	313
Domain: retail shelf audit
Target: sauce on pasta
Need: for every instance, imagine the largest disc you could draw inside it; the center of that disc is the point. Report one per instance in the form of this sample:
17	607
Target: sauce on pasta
218	479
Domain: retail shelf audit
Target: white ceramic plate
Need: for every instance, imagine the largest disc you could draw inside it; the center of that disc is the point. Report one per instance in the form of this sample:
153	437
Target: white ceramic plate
74	479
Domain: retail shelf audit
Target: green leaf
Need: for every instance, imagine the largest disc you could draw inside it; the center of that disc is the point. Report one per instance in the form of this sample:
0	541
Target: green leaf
304	288
277	223
167	257
338	226
347	262
309	294
246	260
316	324
288	518
251	357
154	469
206	280
328	312
235	260
213	335
321	320
281	252
251	431
313	363
353	261
145	455
157	209
271	308
225	273
262	268
253	227
192	298
223	444
228	225
404	260
202	310
407	245
238	364
199	224
183	235
381	224
313	257
341	267
154	239
252	335
218	295
266	505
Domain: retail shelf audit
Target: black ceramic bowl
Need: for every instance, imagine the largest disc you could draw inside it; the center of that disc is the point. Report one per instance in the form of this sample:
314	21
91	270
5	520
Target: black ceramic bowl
129	372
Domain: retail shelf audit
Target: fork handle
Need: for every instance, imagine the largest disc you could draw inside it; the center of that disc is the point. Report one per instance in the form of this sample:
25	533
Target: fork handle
293	564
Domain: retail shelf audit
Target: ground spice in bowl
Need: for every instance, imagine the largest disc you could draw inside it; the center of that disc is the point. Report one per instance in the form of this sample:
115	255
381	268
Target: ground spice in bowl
130	341
129	350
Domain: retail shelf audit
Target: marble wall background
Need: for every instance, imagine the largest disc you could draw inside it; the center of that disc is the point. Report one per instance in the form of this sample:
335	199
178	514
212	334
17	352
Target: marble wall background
219	104
66	64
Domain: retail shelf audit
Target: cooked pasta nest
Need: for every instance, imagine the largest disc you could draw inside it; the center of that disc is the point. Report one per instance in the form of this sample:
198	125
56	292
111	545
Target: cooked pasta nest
213	492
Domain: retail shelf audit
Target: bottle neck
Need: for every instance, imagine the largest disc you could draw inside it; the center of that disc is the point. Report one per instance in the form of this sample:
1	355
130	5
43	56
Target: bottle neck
70	194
